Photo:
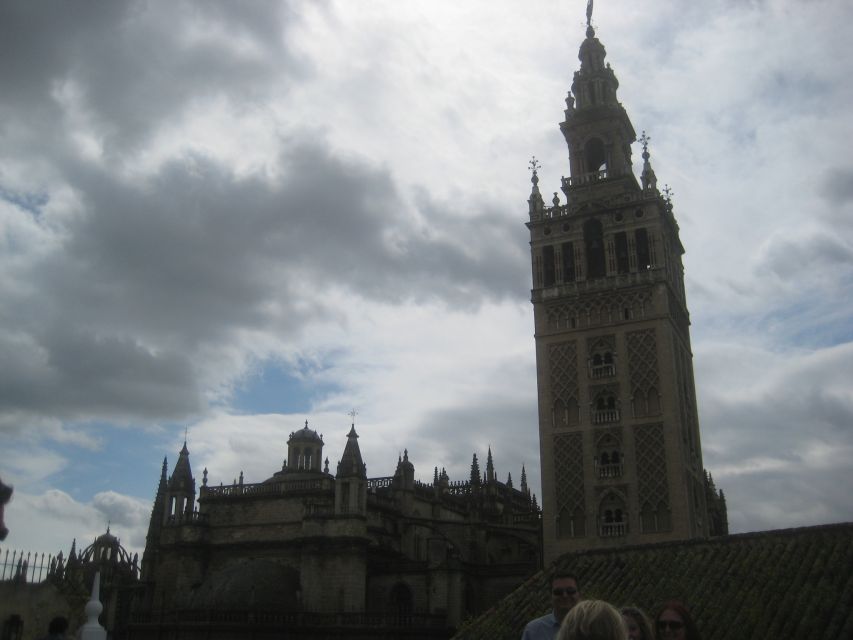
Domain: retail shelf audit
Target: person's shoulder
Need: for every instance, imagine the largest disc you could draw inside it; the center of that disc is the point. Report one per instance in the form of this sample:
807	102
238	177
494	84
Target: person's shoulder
546	620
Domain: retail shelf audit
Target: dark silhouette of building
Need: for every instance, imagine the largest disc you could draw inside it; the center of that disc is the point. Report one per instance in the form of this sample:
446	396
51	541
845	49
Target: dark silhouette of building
621	457
322	553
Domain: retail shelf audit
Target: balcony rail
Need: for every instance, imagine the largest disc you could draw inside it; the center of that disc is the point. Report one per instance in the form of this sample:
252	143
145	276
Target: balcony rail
603	370
605	416
610	470
613	529
585	178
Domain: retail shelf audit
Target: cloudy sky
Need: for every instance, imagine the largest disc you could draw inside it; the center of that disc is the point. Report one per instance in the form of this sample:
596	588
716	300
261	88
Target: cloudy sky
233	217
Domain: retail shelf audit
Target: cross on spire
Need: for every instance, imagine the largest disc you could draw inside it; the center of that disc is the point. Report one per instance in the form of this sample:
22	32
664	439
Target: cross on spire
352	414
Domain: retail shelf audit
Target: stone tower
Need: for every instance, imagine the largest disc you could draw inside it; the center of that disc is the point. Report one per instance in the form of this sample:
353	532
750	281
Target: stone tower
618	427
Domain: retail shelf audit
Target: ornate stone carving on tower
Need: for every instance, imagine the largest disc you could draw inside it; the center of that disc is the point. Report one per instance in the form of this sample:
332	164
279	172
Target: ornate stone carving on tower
618	425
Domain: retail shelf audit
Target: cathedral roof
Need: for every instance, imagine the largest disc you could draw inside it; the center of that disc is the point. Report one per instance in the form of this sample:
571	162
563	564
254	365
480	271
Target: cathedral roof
788	583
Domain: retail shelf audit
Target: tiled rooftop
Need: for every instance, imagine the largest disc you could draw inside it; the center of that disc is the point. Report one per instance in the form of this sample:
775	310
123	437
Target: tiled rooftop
789	583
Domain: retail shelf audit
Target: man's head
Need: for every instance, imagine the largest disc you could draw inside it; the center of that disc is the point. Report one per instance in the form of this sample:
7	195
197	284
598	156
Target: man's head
565	594
58	626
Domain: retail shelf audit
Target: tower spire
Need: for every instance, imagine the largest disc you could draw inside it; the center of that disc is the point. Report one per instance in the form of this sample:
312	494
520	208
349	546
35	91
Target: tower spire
648	177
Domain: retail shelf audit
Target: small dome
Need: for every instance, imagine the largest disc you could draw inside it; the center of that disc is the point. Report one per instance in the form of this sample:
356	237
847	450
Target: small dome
305	435
105	549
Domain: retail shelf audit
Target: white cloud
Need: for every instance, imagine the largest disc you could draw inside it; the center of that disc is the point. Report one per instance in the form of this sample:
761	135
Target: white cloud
341	189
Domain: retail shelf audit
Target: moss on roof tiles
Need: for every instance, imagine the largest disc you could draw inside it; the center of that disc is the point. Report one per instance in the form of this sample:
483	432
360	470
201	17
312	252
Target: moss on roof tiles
790	583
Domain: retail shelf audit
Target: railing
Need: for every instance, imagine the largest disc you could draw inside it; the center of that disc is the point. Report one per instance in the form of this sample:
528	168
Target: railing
610	470
585	178
379	483
604	416
603	370
608	282
268	488
26	566
613	529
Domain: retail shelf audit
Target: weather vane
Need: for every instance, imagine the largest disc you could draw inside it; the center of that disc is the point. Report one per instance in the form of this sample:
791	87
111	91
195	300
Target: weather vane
645	140
534	165
352	414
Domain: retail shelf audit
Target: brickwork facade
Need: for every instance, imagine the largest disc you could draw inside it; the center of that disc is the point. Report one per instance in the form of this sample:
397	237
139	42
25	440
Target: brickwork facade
621	456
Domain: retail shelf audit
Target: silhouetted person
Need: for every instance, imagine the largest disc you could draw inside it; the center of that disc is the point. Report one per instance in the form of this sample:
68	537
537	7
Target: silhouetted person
638	623
674	622
564	595
57	628
593	620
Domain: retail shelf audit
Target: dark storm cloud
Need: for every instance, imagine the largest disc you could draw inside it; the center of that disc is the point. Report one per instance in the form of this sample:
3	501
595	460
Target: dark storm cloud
153	275
133	65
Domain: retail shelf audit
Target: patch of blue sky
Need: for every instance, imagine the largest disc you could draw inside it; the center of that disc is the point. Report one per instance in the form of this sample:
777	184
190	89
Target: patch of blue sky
811	321
276	388
121	448
30	202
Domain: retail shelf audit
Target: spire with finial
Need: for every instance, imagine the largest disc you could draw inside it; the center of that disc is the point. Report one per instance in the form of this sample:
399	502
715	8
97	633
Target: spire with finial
648	177
667	196
351	464
475	472
537	204
523	487
490	467
589	13
509	480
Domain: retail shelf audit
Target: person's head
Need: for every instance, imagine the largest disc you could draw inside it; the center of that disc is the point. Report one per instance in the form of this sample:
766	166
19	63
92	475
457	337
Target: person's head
638	623
674	622
593	620
58	625
565	594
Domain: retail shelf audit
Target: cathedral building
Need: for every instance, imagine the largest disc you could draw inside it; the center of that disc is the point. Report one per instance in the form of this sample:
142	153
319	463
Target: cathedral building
325	554
621	456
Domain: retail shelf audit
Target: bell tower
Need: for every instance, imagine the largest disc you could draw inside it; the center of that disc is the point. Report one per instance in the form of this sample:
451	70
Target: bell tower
618	425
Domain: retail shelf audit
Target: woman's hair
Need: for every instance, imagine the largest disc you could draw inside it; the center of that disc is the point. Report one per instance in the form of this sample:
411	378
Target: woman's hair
690	630
641	620
592	620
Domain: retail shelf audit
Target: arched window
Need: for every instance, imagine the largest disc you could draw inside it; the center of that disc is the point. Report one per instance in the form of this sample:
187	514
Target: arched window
602	362
593	237
612	520
595	156
608	459
401	602
605	408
